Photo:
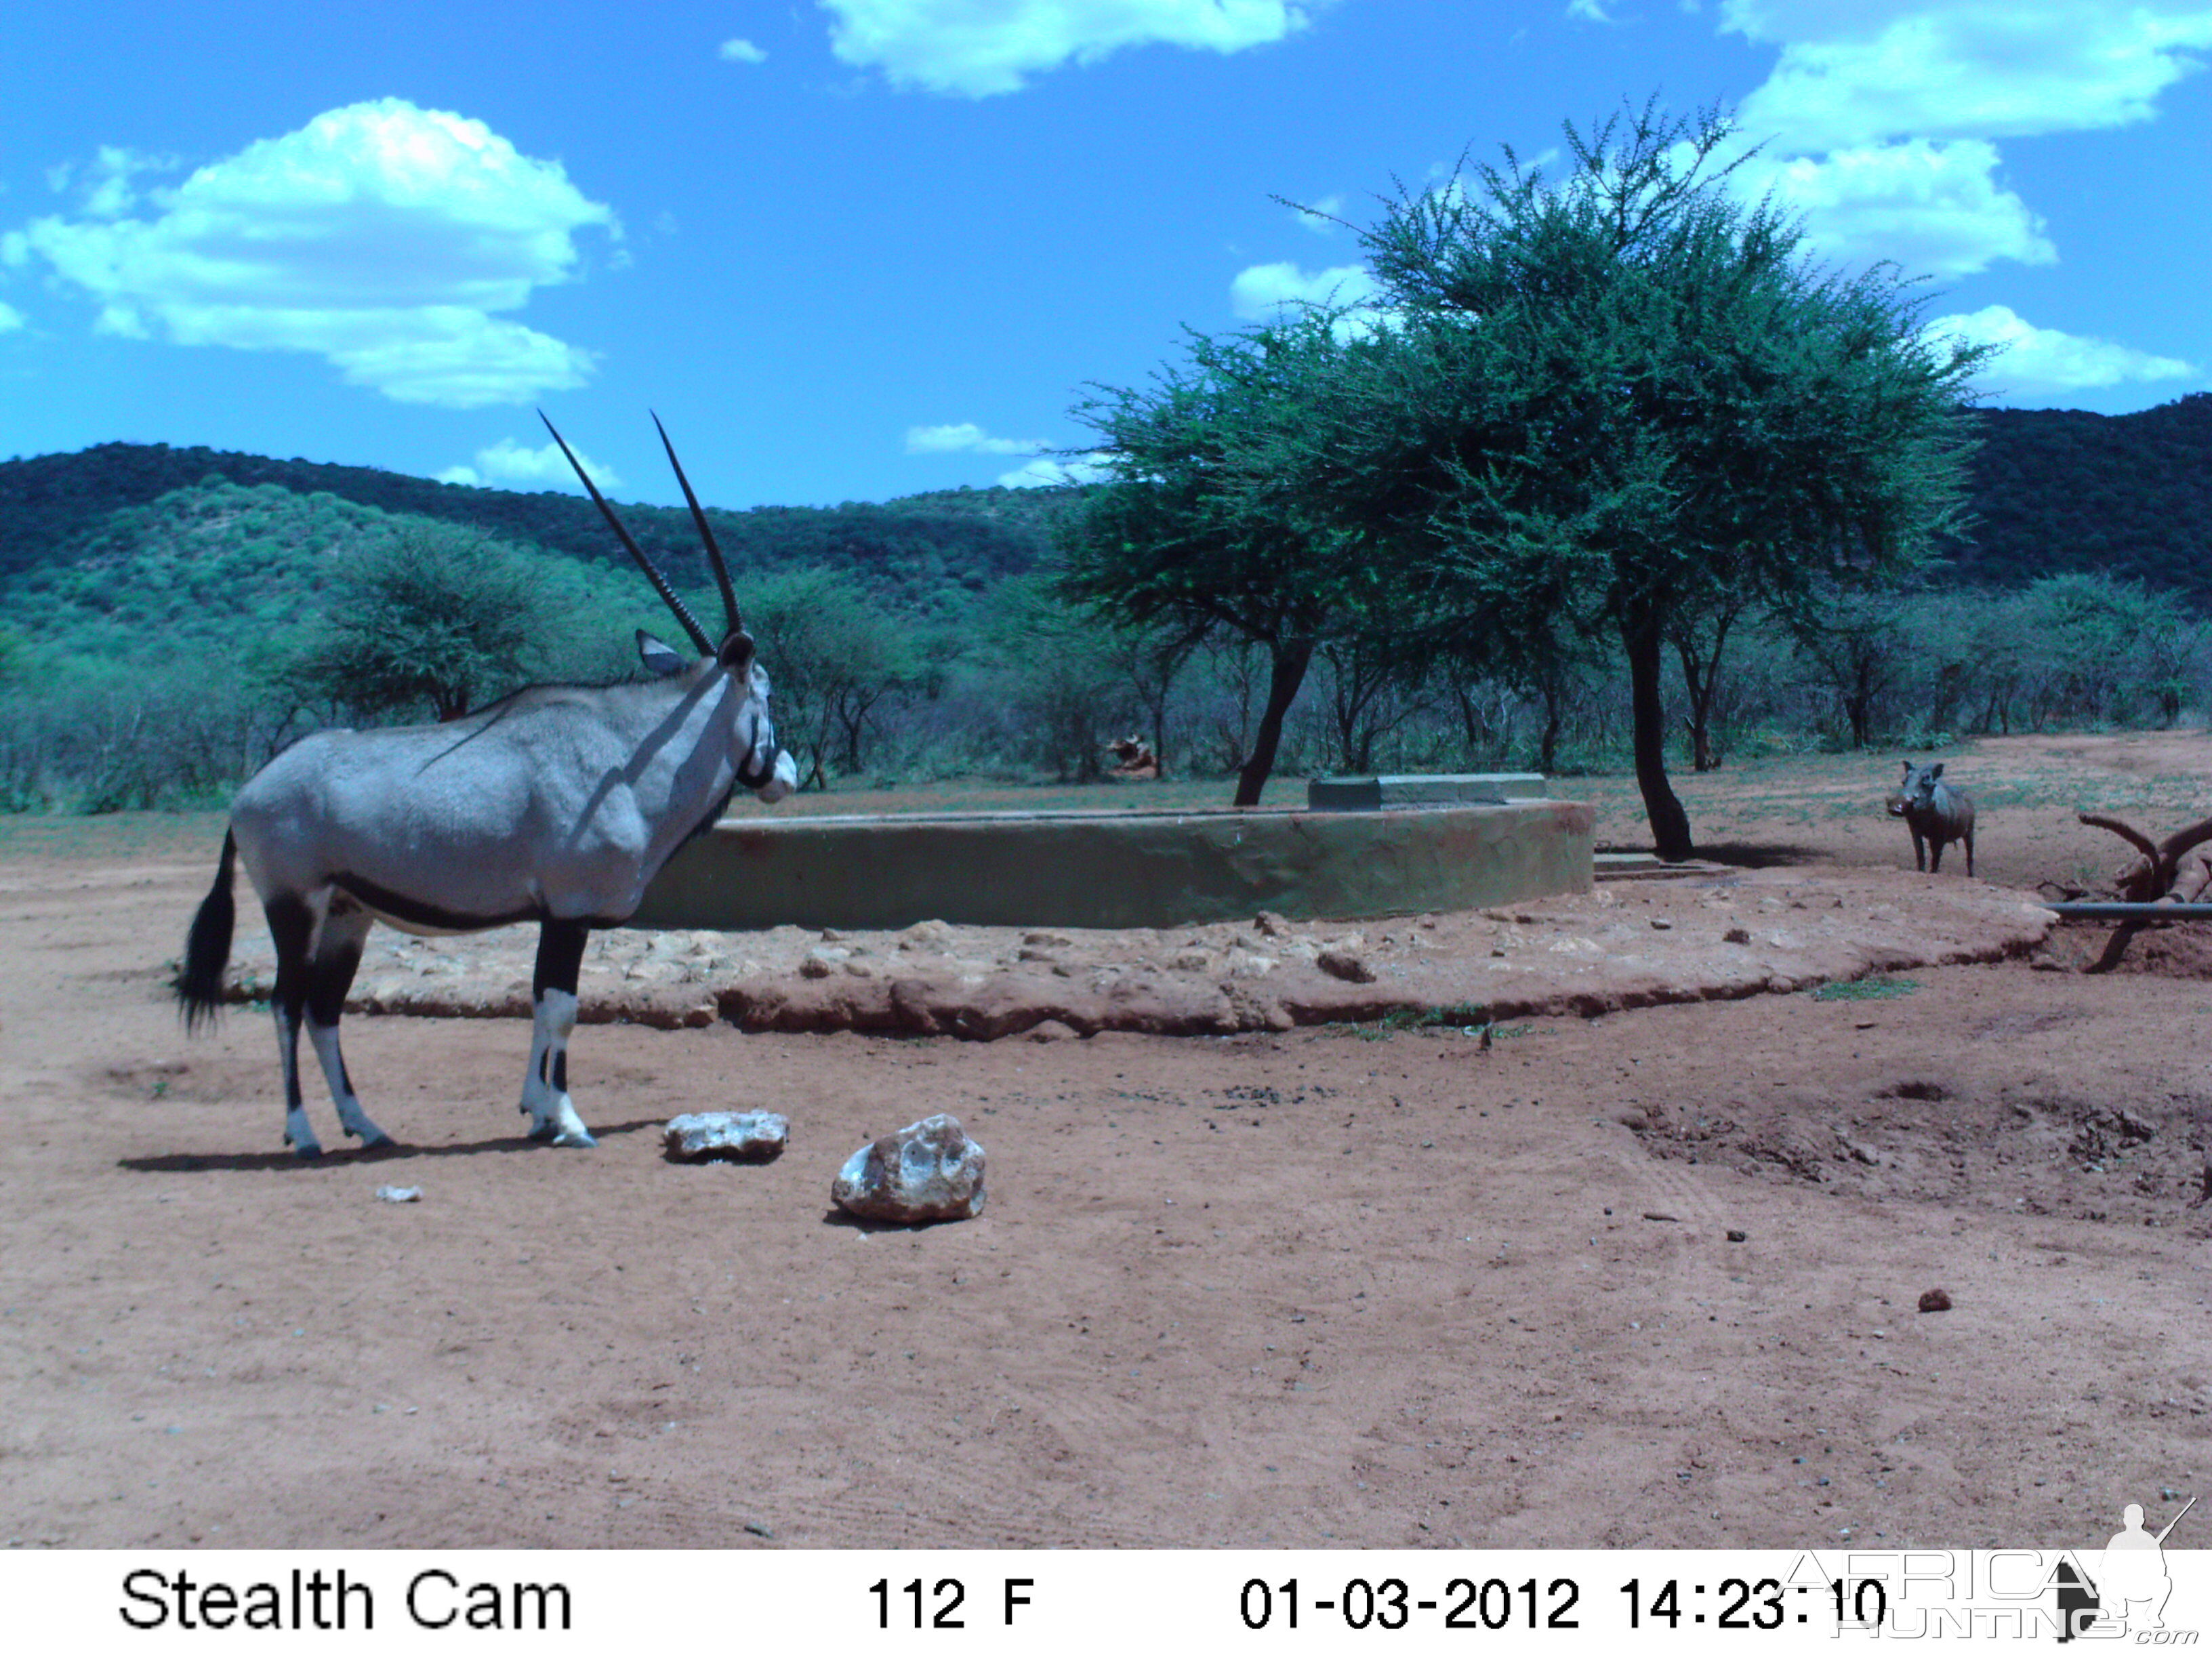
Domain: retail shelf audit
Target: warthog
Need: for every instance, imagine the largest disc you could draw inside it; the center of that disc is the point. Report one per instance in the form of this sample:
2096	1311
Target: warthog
1136	759
1936	814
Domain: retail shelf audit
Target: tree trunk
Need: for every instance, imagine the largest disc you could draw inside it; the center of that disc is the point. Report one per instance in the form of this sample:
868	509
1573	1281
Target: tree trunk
1646	645
1471	721
1701	677
1551	684
1858	708
852	711
1287	672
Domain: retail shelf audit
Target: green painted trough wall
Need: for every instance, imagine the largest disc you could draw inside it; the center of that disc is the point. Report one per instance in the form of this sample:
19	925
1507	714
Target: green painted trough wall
1118	869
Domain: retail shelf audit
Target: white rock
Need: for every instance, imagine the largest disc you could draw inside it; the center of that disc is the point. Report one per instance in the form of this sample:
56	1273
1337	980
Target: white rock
929	1171
743	1137
400	1195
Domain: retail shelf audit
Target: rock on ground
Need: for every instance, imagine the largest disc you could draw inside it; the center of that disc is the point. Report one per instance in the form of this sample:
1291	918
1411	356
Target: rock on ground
929	1171
737	1137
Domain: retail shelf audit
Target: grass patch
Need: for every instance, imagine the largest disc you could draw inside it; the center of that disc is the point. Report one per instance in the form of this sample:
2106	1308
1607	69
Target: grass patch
1468	1019
1874	988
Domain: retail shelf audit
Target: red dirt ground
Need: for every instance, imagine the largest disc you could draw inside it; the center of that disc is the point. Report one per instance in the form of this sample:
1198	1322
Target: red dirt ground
1333	1284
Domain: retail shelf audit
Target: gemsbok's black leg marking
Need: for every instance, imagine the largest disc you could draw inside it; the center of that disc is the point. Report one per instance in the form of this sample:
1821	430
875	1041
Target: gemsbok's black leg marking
559	956
338	943
553	1021
292	929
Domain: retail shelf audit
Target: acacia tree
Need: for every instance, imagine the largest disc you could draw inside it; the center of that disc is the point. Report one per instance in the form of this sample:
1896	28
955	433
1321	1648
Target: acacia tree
439	617
1152	661
1066	678
1699	635
1857	648
835	655
1627	392
1205	525
1377	679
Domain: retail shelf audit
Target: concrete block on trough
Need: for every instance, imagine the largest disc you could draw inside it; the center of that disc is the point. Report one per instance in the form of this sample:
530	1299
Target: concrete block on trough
1423	789
1119	869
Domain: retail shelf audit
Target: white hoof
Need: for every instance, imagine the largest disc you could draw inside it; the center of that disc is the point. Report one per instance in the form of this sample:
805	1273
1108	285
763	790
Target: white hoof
367	1132
576	1137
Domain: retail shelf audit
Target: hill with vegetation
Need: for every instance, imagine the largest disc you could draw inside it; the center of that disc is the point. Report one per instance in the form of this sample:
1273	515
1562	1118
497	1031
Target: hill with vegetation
2062	490
927	554
166	616
2053	491
228	573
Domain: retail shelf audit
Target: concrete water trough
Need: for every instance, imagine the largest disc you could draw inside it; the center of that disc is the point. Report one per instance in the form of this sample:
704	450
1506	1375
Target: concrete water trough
1119	869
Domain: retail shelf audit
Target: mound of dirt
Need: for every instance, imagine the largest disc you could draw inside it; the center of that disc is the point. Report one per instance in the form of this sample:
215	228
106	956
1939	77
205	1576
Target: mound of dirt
2021	1147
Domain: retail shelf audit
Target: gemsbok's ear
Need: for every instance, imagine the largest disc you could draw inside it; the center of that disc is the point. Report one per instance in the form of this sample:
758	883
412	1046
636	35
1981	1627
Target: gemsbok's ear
660	659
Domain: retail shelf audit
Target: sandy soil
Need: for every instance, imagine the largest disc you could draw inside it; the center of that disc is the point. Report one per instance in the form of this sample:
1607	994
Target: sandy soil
1297	1284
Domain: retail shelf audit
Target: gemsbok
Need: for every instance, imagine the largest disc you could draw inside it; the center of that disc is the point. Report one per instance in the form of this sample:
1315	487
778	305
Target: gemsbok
557	805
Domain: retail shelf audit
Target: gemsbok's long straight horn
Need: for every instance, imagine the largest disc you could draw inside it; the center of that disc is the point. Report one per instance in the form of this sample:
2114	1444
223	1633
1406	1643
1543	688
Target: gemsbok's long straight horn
651	572
736	623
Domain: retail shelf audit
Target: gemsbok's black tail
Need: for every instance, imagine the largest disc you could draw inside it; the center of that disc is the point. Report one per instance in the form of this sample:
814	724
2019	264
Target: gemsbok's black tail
207	947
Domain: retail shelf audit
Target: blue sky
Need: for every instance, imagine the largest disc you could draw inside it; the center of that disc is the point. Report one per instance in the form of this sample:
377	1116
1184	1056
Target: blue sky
852	249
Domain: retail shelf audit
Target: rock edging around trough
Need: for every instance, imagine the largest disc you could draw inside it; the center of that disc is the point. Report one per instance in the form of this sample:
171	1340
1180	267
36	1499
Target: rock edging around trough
1644	943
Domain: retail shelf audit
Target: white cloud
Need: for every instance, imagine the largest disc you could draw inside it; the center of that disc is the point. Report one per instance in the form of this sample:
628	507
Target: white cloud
1322	217
1855	73
742	52
1587	12
508	462
2044	360
10	319
106	181
379	236
951	440
1044	472
978	47
1935	209
1259	293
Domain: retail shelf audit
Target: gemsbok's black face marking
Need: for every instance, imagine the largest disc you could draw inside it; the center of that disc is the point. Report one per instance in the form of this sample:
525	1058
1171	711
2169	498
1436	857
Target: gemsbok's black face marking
557	805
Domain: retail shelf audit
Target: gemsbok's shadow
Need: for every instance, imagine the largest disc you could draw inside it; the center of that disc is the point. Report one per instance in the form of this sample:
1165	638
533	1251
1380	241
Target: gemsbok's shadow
344	1157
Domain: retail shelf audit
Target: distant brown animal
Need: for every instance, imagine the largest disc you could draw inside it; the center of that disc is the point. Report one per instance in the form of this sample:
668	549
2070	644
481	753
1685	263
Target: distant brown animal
1935	813
1137	762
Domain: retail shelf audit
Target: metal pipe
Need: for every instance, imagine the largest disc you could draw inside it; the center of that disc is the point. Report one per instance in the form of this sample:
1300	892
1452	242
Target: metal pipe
2112	910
